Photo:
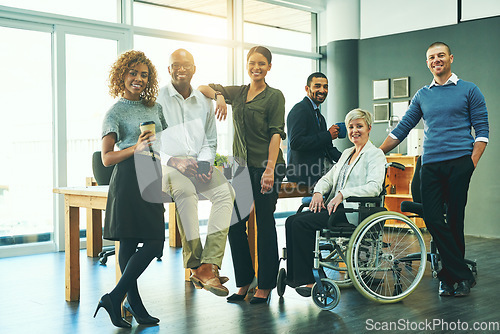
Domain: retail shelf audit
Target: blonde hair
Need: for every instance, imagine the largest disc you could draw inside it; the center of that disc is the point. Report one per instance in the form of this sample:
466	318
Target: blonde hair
357	114
122	65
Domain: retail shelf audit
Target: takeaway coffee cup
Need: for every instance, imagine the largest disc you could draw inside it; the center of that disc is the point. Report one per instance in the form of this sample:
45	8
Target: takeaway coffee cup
145	126
150	125
342	129
203	167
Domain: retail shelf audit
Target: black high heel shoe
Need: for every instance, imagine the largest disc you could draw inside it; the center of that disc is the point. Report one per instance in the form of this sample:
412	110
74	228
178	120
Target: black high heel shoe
238	298
259	300
147	320
114	314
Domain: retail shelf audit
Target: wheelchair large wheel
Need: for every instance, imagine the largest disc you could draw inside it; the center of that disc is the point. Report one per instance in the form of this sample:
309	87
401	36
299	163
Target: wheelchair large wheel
376	258
330	296
334	267
281	282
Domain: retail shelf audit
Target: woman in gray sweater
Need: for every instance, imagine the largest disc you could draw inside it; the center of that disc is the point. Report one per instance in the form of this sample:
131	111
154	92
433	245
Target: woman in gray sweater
129	218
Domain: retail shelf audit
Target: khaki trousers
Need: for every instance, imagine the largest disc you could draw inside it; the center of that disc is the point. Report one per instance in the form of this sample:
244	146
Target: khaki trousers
185	192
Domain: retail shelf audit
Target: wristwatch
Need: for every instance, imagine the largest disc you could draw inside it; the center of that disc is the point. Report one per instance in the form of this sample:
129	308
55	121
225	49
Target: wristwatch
217	93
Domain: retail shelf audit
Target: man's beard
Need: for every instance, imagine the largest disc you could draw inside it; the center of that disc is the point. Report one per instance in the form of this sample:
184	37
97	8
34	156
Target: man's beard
316	100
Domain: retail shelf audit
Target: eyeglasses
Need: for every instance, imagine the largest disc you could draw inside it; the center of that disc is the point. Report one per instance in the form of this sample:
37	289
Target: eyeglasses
187	67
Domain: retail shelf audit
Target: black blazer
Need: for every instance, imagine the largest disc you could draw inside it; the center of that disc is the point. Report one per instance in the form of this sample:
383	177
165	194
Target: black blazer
308	144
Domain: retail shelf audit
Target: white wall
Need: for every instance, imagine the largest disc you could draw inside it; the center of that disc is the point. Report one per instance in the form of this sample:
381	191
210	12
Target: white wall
386	17
475	9
353	19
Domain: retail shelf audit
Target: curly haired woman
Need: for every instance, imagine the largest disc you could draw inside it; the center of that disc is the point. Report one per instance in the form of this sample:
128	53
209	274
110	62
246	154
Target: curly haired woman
129	218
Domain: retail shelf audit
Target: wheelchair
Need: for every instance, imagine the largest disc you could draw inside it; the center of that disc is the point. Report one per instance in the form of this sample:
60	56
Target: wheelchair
384	257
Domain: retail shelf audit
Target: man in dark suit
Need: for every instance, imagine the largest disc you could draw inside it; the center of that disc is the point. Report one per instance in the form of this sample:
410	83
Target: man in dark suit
310	147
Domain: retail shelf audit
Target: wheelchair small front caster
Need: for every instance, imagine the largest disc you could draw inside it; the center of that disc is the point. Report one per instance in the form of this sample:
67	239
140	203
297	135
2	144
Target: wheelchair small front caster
330	297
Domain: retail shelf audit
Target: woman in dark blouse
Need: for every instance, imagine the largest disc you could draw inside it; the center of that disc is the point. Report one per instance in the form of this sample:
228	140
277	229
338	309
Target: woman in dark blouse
259	122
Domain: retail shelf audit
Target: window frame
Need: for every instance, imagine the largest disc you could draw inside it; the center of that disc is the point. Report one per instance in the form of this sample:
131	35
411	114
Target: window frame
123	32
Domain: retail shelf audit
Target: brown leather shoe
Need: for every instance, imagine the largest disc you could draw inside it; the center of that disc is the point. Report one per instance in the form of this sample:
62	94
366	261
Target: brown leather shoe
195	282
212	283
222	279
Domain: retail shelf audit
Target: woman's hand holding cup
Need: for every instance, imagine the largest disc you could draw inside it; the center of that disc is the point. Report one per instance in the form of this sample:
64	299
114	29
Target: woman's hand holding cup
148	131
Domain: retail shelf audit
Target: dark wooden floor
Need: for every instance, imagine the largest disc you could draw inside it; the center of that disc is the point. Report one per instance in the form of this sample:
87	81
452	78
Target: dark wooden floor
32	301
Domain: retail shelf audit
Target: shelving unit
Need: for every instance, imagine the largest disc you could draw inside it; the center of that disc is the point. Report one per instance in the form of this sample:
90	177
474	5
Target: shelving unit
398	184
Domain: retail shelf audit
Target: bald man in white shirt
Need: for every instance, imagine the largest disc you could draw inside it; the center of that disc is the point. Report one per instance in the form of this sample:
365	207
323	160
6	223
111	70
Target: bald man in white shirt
190	138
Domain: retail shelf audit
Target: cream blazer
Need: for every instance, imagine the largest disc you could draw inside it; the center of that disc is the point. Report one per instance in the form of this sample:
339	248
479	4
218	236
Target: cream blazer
365	178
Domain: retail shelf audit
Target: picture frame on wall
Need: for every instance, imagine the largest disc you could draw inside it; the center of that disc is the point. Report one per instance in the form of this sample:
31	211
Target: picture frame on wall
381	112
399	108
401	87
381	89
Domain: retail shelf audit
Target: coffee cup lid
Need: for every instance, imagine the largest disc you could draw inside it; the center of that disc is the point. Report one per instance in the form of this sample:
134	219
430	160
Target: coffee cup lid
147	123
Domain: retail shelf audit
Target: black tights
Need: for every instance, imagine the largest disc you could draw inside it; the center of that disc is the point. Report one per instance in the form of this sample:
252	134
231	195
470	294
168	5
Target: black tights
133	262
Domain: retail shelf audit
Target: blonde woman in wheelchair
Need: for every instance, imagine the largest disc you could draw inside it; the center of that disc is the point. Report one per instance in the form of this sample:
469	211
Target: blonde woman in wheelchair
360	172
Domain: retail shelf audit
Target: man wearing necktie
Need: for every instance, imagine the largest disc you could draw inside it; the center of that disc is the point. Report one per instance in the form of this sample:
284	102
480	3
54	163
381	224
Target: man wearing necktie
310	143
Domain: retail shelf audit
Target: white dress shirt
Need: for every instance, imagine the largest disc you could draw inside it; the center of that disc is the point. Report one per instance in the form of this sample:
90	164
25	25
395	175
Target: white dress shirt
191	125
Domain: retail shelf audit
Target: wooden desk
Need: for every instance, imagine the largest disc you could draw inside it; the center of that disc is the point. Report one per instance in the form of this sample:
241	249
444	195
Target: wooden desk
94	198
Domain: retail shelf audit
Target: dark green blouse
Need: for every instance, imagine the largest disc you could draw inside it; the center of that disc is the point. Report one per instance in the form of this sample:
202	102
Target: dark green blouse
255	122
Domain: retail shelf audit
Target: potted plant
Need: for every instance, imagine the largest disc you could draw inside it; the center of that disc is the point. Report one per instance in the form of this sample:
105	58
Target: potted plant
223	164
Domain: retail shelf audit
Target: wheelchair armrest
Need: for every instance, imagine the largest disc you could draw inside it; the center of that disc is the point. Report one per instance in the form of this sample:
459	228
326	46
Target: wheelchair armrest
413	207
364	200
306	200
395	165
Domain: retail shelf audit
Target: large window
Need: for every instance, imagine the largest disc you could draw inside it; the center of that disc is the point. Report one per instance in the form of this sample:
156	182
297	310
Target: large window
210	60
57	55
103	10
88	61
263	24
289	74
26	136
211	67
87	100
187	17
269	24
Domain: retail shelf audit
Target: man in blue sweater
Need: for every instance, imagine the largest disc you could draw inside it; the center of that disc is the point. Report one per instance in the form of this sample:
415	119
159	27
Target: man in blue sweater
449	107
